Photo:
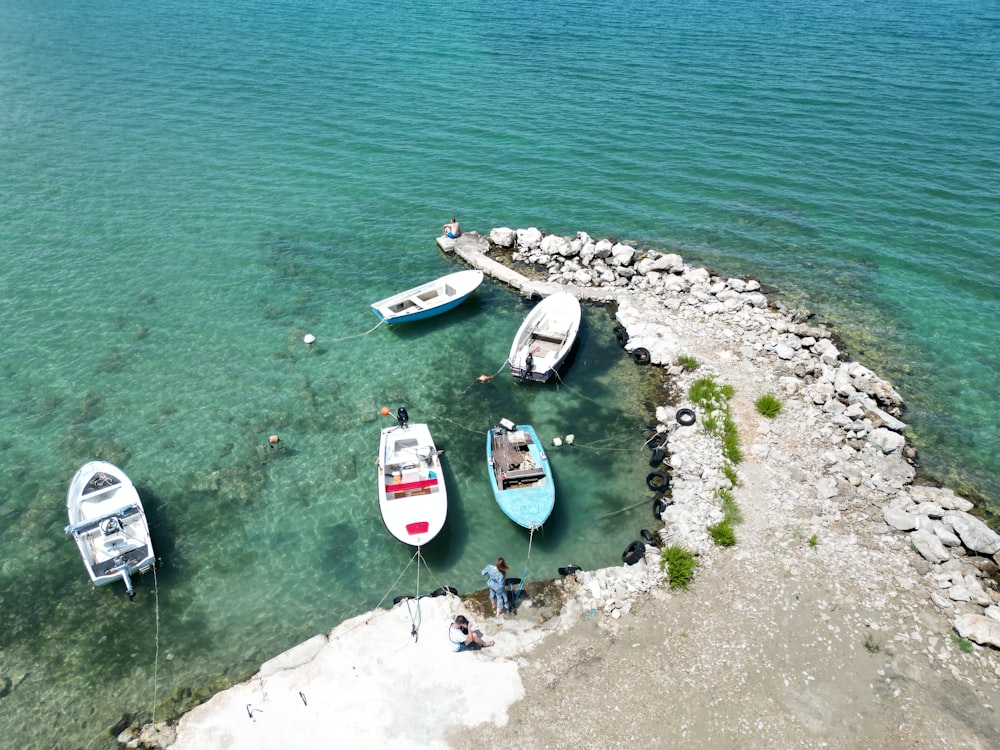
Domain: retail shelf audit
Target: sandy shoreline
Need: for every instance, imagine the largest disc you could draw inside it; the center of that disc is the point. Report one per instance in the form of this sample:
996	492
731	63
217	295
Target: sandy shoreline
822	627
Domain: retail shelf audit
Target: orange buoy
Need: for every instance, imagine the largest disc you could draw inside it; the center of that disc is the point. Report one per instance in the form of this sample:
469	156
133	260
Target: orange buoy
274	440
484	378
385	411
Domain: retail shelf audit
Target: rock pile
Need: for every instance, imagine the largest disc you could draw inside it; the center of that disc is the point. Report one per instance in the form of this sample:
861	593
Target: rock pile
841	420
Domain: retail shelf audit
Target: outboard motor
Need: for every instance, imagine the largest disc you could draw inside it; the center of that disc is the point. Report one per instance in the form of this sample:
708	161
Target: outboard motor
529	360
402	416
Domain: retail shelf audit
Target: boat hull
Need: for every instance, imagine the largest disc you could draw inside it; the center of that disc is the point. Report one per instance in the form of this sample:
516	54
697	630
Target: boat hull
412	495
108	523
430	299
545	338
520	474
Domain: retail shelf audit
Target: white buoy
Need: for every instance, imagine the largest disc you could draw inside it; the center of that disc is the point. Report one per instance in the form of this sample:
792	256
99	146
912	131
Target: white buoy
309	338
570	439
556	442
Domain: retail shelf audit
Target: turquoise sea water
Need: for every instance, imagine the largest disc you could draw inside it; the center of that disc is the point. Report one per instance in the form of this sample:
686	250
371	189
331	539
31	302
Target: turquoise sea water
186	189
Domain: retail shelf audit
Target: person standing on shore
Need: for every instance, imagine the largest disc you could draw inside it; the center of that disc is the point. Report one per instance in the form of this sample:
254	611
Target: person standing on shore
496	579
451	229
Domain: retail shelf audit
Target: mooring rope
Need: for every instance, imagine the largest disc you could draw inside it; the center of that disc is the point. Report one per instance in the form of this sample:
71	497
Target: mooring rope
356	335
156	638
524	575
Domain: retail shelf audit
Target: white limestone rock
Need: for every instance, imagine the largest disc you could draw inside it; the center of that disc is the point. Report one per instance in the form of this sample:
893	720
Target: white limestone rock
975	534
504	237
929	546
979	628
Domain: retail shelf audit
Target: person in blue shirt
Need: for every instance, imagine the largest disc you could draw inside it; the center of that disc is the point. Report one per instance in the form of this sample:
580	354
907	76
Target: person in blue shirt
496	579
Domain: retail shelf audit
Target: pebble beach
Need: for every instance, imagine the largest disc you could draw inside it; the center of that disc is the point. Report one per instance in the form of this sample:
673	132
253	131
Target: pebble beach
858	607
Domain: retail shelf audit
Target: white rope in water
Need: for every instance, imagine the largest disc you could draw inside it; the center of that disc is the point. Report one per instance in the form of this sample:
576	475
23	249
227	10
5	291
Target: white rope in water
156	638
356	335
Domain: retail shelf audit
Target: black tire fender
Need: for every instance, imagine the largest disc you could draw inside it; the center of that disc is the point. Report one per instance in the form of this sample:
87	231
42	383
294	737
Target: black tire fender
402	598
659	505
621	335
641	356
657	458
635	552
647	536
444	590
686	417
569	570
658	481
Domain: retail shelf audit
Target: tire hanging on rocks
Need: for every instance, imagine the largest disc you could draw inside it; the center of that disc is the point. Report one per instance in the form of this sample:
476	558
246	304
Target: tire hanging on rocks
658	481
641	356
658	440
648	536
657	458
621	335
444	590
635	552
659	505
685	417
569	570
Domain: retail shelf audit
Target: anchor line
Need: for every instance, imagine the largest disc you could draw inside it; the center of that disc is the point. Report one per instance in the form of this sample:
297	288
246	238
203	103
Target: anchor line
524	575
156	638
358	335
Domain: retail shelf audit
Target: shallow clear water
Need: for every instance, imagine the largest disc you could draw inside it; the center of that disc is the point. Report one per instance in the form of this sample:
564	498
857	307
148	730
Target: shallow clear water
187	190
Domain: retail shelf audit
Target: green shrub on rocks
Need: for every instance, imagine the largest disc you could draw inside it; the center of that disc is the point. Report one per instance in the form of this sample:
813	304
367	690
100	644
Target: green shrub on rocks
964	645
679	564
768	405
687	363
722	534
730	510
712	398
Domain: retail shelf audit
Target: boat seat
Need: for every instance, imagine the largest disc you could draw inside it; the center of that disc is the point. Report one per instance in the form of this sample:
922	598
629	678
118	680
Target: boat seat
524	475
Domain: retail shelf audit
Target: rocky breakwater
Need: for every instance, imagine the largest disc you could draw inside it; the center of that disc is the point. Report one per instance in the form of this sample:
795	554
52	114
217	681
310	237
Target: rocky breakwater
836	460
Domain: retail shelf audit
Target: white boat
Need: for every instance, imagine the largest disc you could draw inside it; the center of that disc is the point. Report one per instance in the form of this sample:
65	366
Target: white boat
427	300
108	522
412	495
545	338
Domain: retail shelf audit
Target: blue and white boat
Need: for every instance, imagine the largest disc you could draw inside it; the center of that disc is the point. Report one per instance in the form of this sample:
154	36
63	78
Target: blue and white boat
520	474
107	520
430	299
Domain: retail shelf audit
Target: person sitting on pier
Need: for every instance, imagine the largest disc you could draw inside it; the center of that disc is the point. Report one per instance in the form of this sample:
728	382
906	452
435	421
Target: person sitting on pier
451	230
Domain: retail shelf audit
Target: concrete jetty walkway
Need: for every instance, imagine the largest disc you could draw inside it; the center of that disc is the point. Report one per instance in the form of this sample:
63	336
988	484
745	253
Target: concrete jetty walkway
473	248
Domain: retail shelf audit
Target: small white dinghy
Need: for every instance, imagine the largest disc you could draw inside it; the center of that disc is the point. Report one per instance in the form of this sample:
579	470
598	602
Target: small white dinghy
412	495
430	299
108	522
545	338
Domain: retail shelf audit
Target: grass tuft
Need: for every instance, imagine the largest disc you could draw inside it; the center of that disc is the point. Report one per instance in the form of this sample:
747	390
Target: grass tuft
768	405
722	534
730	510
964	645
687	362
871	645
679	564
731	474
813	541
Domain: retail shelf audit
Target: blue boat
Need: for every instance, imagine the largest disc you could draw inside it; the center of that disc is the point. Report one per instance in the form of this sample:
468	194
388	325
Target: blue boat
520	474
430	299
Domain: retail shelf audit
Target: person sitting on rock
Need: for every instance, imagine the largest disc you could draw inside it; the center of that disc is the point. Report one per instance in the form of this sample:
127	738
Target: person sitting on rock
464	636
451	230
